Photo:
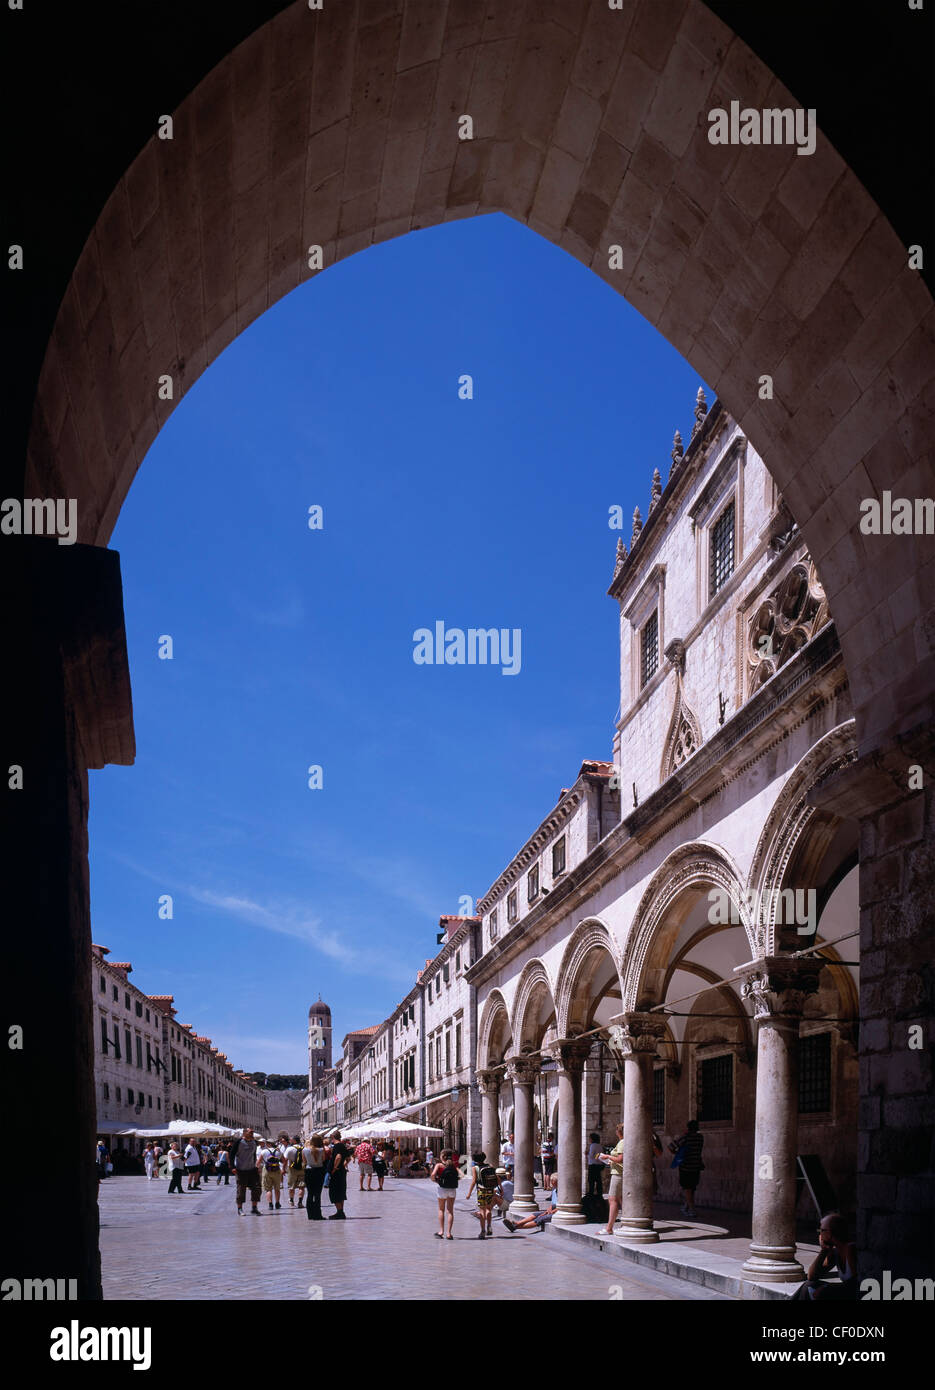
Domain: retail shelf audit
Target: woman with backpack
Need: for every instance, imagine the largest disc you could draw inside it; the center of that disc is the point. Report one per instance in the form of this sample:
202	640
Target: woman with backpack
484	1177
446	1175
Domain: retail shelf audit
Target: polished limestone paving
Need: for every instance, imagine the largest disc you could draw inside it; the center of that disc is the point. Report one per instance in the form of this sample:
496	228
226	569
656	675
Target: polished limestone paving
193	1247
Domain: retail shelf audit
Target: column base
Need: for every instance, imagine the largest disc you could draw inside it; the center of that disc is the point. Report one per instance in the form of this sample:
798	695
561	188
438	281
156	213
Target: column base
773	1264
523	1204
569	1214
637	1230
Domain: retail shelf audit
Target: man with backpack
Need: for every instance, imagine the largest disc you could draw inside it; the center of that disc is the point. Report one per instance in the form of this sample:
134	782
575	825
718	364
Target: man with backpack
447	1177
295	1170
484	1177
243	1156
271	1158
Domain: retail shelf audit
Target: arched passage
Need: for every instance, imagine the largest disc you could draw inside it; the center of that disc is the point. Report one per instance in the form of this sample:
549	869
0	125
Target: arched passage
339	128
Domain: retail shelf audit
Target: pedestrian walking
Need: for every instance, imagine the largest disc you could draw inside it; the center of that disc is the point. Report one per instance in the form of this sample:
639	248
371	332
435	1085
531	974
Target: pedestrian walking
294	1161
484	1179
149	1162
364	1156
446	1175
595	1168
548	1155
158	1156
615	1159
687	1150
176	1167
223	1168
379	1165
243	1155
314	1156
429	1159
507	1153
271	1164
337	1177
192	1164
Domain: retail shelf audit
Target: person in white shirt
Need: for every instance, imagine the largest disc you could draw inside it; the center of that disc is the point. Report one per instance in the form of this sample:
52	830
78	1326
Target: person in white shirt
295	1176
271	1165
192	1165
175	1168
149	1162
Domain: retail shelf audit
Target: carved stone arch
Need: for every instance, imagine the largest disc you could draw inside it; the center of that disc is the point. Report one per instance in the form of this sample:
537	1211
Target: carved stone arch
693	866
789	821
533	980
588	938
493	1013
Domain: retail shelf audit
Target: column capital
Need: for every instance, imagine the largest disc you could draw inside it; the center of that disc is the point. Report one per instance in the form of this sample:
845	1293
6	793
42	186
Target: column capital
522	1070
570	1053
488	1079
779	985
633	1034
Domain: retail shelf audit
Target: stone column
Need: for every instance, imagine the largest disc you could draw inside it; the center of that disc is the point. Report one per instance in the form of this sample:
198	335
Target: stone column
890	792
67	709
571	1056
488	1083
522	1071
635	1037
778	987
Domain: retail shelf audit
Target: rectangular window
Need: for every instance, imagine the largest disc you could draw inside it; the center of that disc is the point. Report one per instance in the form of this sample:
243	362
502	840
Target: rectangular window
431	1062
649	649
716	1088
158	1103
147	1015
448	1051
493	925
126	1000
532	884
815	1074
446	971
129	1096
116	994
457	961
457	1044
139	1052
149	1058
438	1054
106	1090
722	549
103	984
129	1042
659	1096
104	1038
118	1093
511	912
558	857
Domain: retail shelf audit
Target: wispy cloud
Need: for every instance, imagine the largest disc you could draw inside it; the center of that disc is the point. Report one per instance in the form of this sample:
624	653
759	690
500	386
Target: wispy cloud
286	610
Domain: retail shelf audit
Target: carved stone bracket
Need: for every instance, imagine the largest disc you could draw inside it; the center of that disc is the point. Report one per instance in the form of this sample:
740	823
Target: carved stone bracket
780	985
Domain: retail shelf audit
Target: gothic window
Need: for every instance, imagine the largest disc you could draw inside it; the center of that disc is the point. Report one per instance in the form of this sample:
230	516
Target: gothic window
722	550
649	649
784	622
511	910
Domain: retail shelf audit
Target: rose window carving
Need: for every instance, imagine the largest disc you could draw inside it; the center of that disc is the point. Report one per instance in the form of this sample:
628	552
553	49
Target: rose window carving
784	622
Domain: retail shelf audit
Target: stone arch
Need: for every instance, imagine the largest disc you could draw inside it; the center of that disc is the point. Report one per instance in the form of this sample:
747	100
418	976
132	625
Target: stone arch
533	991
339	128
493	1031
576	972
796	835
645	961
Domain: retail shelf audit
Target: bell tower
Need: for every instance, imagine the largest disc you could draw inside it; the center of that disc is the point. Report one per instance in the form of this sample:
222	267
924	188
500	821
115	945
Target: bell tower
319	1042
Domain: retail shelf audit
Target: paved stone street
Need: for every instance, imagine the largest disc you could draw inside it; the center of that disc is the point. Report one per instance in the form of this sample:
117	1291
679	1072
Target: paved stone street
154	1246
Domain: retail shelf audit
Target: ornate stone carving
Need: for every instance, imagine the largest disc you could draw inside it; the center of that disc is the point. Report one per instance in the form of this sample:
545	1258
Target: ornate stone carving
571	1053
779	985
637	527
784	622
783	529
522	1071
677	453
488	1080
701	410
684	736
635	1033
621	557
656	489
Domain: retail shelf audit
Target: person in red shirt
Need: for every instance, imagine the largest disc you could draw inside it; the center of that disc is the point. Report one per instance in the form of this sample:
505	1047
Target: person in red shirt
364	1156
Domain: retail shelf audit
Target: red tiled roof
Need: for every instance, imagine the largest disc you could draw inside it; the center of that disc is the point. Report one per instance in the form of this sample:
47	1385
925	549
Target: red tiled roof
365	1032
596	767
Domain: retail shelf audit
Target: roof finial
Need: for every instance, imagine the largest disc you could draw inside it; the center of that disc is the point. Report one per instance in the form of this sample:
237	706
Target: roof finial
677	452
656	490
637	527
701	410
621	556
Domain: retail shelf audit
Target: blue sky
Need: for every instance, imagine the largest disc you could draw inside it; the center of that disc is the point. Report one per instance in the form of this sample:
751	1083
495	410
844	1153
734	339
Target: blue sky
295	647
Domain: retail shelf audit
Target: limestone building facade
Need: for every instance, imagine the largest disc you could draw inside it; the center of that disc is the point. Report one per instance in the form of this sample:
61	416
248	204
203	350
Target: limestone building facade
650	953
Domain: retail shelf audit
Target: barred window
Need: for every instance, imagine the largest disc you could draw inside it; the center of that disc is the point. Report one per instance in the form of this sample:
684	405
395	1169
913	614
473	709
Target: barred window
558	857
511	910
649	649
659	1096
532	884
716	1088
815	1073
722	549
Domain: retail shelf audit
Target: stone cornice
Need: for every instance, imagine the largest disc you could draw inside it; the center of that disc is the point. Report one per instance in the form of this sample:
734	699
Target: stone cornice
678	482
746	737
533	846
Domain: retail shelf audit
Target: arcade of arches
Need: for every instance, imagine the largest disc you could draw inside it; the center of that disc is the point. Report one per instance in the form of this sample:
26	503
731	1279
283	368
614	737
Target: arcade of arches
339	128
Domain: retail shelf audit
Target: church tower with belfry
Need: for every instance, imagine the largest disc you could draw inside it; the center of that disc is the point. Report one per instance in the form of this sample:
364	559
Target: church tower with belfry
319	1042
